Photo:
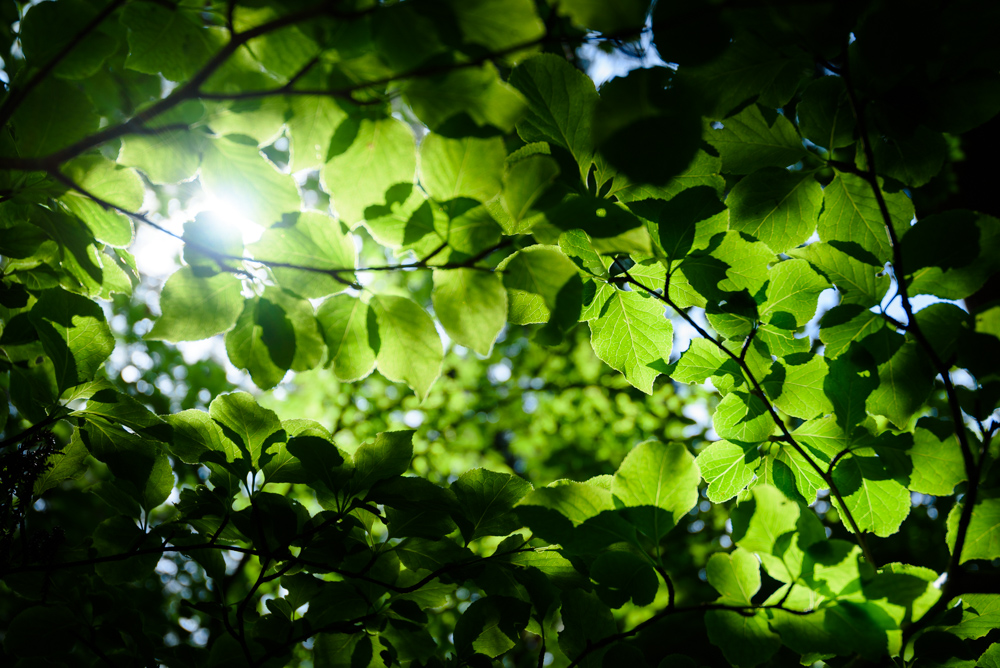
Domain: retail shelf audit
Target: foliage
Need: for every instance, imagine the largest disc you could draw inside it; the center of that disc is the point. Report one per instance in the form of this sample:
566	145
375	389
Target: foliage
443	198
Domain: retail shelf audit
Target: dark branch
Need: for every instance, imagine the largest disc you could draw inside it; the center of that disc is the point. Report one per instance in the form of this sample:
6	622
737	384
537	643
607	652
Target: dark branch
17	96
36	568
828	479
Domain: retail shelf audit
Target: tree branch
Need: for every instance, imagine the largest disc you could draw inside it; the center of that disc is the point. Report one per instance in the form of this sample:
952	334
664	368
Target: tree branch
36	568
739	359
745	610
972	469
17	96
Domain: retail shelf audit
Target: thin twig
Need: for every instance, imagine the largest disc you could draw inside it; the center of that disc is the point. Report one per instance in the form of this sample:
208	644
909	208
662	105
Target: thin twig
30	431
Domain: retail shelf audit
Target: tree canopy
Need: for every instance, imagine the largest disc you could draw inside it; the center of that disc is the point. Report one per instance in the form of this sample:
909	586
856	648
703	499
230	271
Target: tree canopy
696	367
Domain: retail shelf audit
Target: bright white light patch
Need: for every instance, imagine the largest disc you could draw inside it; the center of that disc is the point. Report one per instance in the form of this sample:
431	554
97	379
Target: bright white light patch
229	216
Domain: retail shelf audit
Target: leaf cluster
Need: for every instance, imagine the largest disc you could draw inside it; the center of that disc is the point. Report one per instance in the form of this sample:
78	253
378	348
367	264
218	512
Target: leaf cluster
774	214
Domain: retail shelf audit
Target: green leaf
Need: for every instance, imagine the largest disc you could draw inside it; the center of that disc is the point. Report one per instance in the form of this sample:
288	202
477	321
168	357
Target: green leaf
846	324
311	127
759	522
878	503
367	157
627	119
41	631
776	206
48	29
586	621
196	307
980	615
498	24
798	389
487	500
67	464
735	576
491	626
756	138
168	156
611	226
54	115
345	322
311	240
386	457
743	418
140	465
533	277
851	214
476	92
106	402
556	512
685	222
729	264
239	175
744	640
631	335
825	115
196	433
937	458
174	42
253	122
991	657
621	576
751	68
913	160
857	282
951	255
409	349
104	180
703	171
597	15
705	361
527	175
792	294
578	247
283	51
664	476
905	381
561	100
944	325
308	454
262	342
849	382
74	334
251	427
982	539
467	167
472	306
120	535
727	468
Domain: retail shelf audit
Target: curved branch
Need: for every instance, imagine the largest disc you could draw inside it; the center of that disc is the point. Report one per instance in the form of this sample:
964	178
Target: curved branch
972	468
17	96
333	272
746	610
36	568
786	434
